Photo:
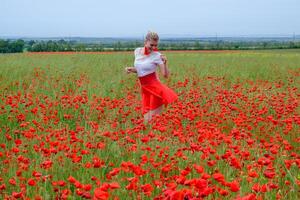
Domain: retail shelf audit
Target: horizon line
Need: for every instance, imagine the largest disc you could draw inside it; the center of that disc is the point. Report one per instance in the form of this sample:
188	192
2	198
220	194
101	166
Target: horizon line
161	36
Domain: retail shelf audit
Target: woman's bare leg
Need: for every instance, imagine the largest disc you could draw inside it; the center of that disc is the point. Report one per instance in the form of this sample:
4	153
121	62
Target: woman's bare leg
156	111
148	116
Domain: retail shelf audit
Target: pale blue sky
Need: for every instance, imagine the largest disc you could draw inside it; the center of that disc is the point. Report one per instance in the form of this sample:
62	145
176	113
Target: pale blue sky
122	18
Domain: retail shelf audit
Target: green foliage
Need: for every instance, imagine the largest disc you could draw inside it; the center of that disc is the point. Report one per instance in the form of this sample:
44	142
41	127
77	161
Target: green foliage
7	46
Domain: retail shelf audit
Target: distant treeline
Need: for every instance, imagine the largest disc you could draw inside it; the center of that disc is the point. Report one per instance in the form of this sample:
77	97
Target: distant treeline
14	46
7	46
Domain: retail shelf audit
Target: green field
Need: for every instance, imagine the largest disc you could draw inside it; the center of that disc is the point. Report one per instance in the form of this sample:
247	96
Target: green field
108	69
79	115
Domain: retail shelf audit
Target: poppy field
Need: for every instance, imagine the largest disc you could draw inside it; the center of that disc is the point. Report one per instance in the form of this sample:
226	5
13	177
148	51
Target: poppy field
71	127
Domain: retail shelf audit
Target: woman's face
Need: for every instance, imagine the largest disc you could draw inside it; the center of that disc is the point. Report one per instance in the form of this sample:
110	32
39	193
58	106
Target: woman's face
151	45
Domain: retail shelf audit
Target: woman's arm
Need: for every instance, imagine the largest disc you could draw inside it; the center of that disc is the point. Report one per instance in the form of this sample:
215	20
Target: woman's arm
164	67
133	69
130	70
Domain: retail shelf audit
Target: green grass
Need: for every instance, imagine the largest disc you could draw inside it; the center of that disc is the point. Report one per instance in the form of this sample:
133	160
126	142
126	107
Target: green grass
105	71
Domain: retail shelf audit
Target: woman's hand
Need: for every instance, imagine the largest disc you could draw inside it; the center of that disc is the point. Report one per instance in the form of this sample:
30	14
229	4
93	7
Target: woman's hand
164	58
130	70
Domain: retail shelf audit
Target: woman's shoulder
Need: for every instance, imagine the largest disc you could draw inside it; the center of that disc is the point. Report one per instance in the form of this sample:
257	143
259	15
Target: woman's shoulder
156	54
138	50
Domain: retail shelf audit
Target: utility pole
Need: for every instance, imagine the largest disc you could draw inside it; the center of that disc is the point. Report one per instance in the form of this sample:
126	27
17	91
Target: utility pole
294	37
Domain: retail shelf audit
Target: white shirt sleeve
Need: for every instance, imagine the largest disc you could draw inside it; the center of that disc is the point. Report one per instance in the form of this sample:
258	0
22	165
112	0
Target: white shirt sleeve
135	52
157	59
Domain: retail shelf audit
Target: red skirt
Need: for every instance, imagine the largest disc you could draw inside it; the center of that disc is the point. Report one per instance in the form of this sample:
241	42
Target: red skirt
154	93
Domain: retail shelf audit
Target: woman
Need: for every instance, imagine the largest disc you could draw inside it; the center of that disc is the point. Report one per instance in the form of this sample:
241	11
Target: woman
154	93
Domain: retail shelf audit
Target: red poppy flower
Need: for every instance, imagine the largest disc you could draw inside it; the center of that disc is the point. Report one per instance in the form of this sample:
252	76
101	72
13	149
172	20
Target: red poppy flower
31	182
234	186
100	194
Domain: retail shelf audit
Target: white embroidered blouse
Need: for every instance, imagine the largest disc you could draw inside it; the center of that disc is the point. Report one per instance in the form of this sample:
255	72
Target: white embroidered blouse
146	64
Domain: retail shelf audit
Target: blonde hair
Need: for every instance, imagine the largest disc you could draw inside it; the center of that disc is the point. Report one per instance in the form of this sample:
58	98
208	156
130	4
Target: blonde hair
151	36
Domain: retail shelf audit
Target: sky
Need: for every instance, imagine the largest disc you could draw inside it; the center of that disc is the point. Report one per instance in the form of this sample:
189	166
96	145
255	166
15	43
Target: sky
133	18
